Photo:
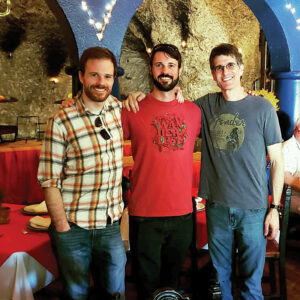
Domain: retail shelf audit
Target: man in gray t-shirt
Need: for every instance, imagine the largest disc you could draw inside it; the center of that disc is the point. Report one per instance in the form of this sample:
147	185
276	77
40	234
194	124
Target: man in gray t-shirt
237	132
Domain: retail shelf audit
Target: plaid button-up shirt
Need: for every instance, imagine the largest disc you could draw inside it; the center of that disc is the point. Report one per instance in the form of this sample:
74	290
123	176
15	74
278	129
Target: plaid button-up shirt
86	168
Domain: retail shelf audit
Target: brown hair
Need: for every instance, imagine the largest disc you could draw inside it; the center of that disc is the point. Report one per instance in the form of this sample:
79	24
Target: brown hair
97	53
225	49
171	50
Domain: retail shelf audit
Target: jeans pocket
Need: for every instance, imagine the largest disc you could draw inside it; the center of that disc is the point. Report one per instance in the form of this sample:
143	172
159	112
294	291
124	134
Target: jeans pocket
258	210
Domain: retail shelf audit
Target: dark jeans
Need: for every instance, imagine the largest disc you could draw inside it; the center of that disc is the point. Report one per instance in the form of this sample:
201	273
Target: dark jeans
231	228
159	247
82	252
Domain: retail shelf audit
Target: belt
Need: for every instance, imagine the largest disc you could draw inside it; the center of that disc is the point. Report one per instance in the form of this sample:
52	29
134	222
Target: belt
109	221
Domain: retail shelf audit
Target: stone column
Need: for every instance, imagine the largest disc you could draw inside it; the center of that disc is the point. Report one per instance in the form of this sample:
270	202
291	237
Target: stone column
287	89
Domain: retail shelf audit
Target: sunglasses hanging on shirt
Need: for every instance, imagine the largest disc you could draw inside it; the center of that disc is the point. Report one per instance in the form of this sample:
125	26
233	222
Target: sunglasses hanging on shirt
103	130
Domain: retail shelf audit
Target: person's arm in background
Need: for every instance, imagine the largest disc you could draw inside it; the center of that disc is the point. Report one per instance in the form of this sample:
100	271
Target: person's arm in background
290	168
291	180
277	179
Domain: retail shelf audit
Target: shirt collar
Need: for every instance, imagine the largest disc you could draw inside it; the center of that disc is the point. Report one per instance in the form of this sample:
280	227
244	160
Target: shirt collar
82	109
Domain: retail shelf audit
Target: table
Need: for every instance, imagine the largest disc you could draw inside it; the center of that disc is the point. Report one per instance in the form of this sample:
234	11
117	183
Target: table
18	173
201	233
27	262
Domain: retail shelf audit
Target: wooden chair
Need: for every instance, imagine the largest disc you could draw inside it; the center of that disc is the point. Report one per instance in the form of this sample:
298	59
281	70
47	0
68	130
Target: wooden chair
276	252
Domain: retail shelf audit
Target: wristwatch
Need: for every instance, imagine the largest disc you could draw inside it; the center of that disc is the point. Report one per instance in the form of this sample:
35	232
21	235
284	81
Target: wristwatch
277	207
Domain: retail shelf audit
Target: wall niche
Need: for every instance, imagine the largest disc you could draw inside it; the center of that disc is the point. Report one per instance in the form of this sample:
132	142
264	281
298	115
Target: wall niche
28	62
203	24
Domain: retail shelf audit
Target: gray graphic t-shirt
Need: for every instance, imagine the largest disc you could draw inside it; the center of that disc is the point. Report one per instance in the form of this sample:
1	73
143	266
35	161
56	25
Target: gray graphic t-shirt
235	135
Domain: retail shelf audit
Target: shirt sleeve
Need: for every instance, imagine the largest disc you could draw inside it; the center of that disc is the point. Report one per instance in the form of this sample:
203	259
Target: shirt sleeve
52	156
200	101
289	158
272	132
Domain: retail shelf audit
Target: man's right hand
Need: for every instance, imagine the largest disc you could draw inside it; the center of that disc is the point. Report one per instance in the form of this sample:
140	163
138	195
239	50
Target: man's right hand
132	101
68	102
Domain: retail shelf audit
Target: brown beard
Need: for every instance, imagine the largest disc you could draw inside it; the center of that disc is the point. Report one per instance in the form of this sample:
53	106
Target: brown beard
165	87
92	96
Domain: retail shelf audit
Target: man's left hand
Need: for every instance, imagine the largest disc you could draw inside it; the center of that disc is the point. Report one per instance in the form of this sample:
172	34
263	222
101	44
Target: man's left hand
271	224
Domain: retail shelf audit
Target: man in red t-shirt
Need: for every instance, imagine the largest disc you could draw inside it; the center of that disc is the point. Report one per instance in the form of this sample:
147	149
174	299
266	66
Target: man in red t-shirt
162	135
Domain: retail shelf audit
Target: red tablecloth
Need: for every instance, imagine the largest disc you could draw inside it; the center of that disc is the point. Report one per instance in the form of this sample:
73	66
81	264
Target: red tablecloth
201	231
18	171
18	176
36	244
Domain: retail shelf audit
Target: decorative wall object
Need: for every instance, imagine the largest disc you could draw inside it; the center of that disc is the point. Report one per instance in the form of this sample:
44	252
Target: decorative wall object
6	12
54	54
11	38
25	76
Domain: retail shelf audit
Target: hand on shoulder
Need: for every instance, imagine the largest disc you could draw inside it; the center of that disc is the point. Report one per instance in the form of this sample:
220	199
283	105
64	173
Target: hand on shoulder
131	102
68	102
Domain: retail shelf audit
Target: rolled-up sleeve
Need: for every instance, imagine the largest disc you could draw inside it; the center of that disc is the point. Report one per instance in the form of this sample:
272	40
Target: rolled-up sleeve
50	171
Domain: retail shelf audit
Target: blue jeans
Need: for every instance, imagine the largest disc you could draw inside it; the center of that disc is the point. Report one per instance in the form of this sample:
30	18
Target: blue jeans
243	229
82	252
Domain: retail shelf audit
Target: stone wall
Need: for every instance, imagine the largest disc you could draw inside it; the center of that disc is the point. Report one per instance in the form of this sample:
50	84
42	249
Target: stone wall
209	23
24	72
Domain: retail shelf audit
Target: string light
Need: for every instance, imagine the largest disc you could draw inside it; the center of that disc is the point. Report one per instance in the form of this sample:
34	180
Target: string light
7	11
100	26
292	10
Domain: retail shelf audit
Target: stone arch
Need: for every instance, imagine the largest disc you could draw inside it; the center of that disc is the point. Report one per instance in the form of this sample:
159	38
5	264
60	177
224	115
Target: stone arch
276	21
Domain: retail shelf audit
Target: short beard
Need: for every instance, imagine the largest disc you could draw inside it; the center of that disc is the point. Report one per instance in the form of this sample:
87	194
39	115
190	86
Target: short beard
89	93
165	88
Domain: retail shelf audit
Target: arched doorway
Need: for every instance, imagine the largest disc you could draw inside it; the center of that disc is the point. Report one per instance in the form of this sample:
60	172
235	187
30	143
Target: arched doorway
277	23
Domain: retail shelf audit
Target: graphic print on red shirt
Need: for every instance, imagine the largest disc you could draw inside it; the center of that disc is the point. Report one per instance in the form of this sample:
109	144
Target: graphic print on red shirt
171	132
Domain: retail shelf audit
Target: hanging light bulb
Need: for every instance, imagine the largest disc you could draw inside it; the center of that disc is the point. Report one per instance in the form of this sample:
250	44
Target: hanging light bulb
108	7
98	25
84	6
55	79
99	36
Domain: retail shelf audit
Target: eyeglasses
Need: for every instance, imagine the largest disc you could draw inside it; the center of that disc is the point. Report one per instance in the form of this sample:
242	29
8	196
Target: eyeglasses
230	67
103	131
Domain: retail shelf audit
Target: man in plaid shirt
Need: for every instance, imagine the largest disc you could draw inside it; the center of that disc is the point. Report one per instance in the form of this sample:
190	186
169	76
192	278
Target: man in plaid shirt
81	173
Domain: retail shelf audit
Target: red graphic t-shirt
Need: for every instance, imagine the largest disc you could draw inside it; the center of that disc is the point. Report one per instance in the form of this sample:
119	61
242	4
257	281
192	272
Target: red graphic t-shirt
162	137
